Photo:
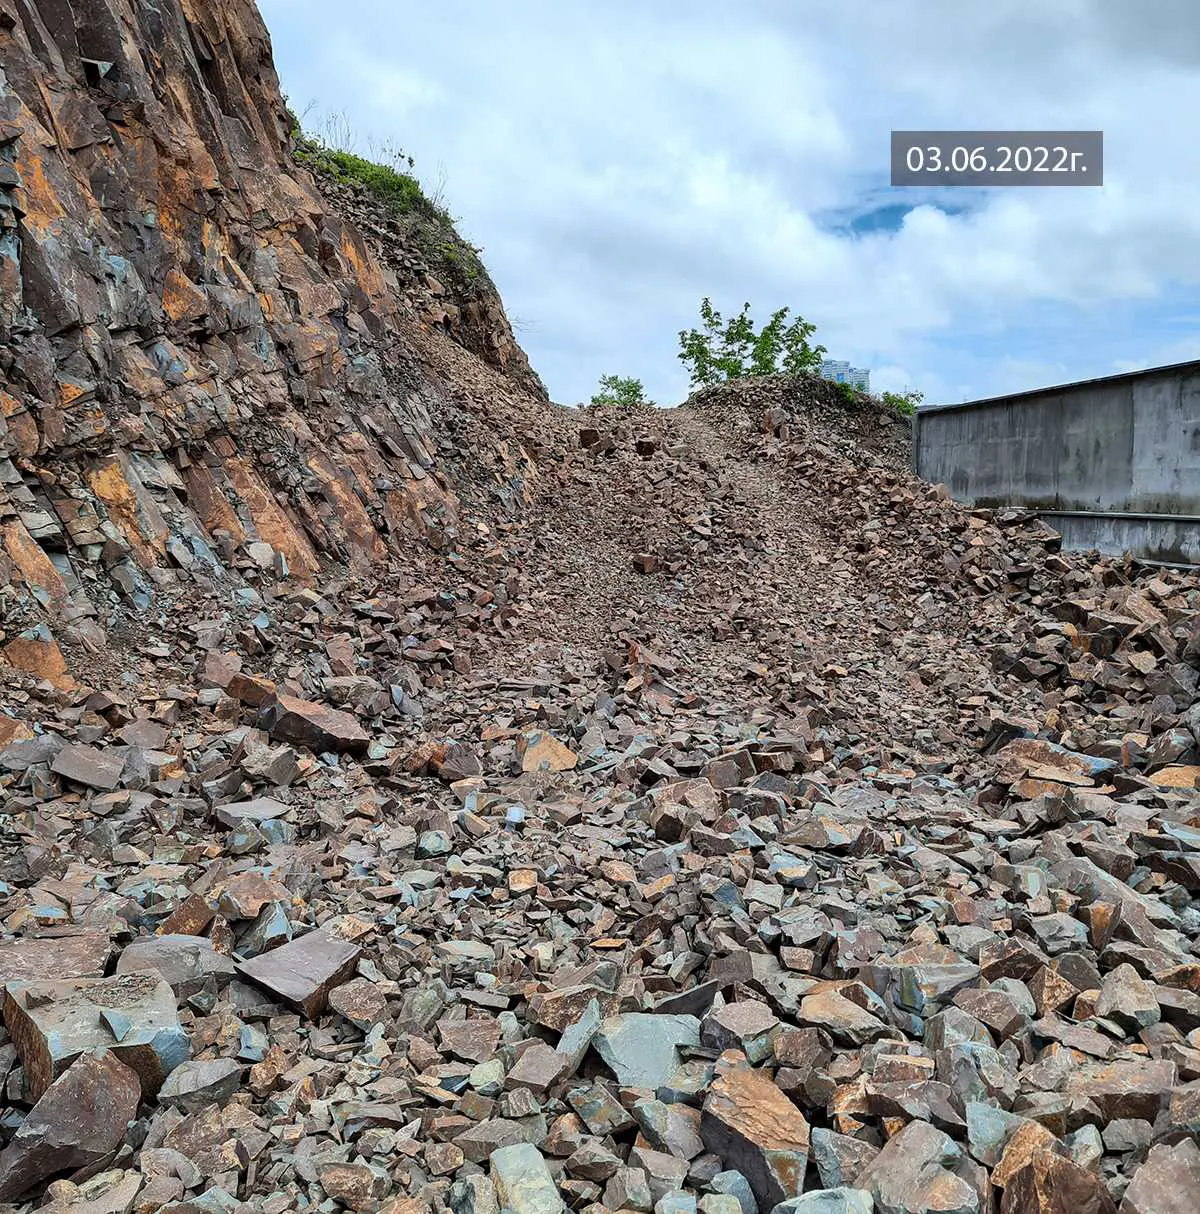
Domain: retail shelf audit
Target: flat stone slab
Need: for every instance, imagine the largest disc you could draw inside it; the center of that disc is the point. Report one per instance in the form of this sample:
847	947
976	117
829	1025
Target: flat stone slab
78	955
260	809
86	765
642	1049
131	1015
304	971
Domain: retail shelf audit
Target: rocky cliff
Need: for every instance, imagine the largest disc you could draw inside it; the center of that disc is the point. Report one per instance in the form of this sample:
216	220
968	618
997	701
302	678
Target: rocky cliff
210	374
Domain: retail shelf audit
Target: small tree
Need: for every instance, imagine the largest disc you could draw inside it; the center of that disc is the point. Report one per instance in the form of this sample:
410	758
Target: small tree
722	350
904	403
620	390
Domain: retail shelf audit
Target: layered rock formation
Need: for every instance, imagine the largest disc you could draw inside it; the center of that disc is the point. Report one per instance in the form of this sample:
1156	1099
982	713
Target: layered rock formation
206	370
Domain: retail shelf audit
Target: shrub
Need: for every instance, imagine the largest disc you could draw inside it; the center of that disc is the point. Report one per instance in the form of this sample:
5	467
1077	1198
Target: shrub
620	390
722	350
904	403
848	393
388	179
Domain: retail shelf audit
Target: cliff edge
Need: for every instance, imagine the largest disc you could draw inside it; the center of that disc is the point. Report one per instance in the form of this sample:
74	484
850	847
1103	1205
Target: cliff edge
210	374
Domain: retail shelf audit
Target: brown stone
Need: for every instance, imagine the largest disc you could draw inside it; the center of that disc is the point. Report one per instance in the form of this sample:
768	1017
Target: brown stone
360	1001
88	766
474	1039
12	730
919	1169
189	918
316	726
756	1130
40	657
1051	1184
1028	1140
540	751
1051	991
244	896
80	954
843	1019
79	1121
186	962
304	971
249	689
537	1068
357	1185
1124	1089
1167	1183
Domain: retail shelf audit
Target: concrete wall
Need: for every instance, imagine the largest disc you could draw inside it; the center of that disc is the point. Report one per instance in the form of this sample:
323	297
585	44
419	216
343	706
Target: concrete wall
1113	463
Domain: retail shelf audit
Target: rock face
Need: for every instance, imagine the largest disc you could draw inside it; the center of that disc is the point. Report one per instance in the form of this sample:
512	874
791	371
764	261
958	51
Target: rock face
208	373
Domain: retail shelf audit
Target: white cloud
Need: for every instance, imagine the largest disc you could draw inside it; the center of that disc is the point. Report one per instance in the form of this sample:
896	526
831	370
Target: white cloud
619	161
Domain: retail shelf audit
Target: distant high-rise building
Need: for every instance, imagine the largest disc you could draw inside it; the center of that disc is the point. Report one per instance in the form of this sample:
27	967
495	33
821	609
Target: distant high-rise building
844	373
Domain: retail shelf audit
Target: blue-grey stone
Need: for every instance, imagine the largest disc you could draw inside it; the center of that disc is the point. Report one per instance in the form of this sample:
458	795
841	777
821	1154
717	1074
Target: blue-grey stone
642	1049
734	1184
523	1181
828	1201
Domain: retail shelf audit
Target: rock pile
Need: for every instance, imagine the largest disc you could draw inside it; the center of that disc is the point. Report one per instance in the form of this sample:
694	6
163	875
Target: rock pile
373	900
441	801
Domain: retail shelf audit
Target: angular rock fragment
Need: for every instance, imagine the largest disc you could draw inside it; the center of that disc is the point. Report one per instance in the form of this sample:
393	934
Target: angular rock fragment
756	1130
523	1182
132	1015
78	1122
1050	1184
186	962
193	1085
920	1169
360	1001
88	766
1167	1183
642	1050
305	970
76	954
356	1185
844	1020
540	751
316	726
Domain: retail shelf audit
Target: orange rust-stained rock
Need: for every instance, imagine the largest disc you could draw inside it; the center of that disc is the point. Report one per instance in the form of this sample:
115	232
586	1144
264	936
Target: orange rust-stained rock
540	751
34	566
1183	776
259	402
39	656
249	689
1028	1141
1050	1183
758	1131
12	730
131	507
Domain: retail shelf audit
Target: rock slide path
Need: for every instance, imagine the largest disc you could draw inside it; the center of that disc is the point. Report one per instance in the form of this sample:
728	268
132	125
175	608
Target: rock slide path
747	578
745	828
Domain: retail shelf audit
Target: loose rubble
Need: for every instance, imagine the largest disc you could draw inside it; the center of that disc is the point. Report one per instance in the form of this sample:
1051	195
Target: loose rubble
704	817
626	928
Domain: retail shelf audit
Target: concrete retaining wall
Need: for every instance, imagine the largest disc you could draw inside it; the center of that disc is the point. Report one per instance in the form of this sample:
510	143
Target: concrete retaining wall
1113	463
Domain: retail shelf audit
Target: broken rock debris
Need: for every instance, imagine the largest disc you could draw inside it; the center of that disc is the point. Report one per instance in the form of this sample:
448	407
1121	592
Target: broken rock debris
683	812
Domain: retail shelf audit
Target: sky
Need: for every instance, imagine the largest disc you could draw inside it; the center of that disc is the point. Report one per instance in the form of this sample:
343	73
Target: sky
619	161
